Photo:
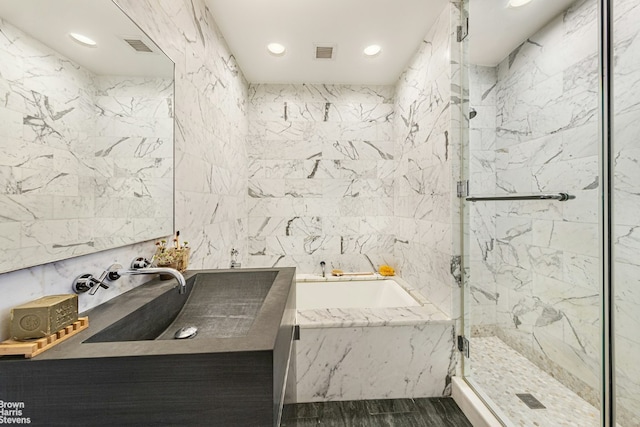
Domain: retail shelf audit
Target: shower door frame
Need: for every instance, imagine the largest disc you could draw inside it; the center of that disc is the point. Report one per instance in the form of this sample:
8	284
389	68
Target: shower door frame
605	40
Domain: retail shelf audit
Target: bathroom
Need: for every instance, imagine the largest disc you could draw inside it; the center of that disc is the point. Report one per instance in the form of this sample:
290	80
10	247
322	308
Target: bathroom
359	175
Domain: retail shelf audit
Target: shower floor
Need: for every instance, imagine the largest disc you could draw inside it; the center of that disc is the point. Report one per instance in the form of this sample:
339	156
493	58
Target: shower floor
502	372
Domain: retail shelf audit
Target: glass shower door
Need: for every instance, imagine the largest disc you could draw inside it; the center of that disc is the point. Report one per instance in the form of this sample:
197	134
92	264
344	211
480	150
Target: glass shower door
626	209
532	296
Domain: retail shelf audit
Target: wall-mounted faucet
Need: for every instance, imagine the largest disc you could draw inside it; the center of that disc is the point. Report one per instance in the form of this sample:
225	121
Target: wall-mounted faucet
323	265
143	266
87	282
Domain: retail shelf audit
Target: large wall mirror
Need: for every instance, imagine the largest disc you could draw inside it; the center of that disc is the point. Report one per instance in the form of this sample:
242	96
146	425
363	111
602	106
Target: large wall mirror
86	132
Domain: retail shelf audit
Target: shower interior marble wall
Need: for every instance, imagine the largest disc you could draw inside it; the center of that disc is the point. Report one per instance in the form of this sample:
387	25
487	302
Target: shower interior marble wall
211	163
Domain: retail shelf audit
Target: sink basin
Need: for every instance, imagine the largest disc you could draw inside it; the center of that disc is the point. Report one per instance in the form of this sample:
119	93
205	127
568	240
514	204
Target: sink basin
127	367
220	305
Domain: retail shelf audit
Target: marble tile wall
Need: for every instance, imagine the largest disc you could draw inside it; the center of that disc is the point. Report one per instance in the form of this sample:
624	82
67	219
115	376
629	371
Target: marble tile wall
482	216
211	162
537	261
321	162
427	150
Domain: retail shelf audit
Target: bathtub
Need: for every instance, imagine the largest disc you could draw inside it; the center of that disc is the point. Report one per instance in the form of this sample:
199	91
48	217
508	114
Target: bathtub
352	294
369	337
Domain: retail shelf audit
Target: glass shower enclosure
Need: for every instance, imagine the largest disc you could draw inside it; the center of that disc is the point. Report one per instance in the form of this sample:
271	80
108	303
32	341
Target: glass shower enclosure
550	222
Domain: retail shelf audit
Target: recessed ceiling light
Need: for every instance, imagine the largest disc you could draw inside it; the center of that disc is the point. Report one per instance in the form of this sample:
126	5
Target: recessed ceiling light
372	50
517	3
83	40
276	48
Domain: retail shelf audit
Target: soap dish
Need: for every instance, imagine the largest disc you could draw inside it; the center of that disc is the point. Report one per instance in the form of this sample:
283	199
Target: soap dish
33	348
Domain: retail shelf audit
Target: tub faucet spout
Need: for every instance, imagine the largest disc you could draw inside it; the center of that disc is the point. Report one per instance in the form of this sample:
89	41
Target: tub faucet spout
322	265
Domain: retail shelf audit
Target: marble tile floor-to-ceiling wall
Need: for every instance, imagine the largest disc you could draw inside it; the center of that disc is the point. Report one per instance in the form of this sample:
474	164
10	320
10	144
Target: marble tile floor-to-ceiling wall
211	164
427	110
321	176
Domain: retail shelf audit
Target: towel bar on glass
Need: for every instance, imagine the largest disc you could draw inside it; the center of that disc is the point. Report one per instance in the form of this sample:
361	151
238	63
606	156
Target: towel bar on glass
561	197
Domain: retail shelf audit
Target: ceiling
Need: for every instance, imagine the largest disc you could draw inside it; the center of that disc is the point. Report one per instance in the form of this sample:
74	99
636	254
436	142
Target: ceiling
397	25
50	21
496	30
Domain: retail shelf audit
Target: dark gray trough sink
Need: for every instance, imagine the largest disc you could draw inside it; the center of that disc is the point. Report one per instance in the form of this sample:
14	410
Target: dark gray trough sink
122	371
220	305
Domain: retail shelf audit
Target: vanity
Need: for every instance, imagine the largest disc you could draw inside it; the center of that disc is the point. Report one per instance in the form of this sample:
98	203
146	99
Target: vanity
127	368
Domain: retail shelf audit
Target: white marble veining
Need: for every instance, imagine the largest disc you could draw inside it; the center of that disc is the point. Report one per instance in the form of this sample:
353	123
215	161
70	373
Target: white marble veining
424	182
361	317
359	363
320	185
372	352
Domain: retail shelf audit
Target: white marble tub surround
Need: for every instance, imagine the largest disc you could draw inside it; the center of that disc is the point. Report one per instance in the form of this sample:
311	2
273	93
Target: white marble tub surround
332	317
373	352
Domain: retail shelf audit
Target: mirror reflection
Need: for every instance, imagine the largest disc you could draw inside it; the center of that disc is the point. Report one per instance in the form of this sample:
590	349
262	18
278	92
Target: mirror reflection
86	142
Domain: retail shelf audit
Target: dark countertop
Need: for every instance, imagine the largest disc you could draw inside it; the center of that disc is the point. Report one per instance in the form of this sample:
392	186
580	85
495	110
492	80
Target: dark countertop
260	337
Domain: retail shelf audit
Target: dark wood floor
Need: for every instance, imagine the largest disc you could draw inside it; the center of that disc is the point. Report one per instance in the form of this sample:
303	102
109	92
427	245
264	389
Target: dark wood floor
439	411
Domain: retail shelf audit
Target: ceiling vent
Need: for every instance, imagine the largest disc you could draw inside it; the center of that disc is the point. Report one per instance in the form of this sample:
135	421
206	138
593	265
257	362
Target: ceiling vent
138	45
324	52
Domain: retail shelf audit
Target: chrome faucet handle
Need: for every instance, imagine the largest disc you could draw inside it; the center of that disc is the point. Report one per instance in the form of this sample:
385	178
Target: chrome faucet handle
87	282
83	283
99	283
140	262
112	272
